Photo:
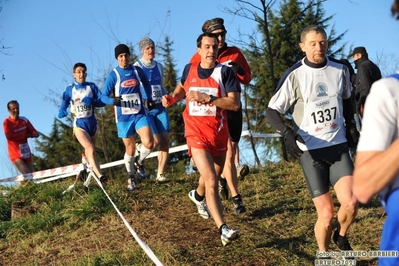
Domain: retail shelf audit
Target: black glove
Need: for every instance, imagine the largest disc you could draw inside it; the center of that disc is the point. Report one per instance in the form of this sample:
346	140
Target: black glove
237	68
352	135
290	138
149	104
117	100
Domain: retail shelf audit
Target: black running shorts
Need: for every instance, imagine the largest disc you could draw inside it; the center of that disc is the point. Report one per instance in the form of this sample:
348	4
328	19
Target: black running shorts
234	120
319	174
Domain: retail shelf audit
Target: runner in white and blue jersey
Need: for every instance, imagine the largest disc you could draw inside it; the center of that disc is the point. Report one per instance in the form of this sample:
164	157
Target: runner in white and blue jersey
317	90
83	97
153	105
122	89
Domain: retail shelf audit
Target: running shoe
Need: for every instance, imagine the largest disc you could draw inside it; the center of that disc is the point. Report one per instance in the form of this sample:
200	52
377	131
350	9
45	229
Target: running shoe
239	206
103	179
227	235
131	183
223	191
201	205
161	178
139	168
342	243
242	171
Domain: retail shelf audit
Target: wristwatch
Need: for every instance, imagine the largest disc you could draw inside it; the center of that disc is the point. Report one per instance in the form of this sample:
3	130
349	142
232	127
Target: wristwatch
211	98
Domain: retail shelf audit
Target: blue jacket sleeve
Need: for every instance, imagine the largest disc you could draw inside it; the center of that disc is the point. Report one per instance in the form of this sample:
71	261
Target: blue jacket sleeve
66	98
109	89
97	96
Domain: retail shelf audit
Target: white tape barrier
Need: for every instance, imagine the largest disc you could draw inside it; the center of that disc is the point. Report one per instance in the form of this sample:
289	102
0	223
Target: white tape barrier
142	244
70	170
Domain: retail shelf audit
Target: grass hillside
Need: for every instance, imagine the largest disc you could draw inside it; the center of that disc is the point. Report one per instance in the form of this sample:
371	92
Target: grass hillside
82	227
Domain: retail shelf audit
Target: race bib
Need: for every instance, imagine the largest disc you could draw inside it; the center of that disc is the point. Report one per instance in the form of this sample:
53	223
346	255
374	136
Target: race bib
131	104
323	116
24	150
156	93
82	110
202	109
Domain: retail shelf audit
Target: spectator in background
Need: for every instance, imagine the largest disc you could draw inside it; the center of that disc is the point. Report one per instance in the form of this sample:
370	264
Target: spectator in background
83	97
232	57
377	168
152	102
367	73
122	90
319	90
17	130
209	89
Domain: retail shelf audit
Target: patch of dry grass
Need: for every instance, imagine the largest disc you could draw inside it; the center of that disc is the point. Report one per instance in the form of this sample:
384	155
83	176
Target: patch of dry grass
83	229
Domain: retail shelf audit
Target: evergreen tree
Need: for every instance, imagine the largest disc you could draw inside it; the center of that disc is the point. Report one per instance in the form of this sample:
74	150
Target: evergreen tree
176	134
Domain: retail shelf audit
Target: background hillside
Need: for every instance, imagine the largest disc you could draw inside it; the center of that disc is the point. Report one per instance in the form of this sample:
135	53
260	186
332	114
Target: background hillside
82	227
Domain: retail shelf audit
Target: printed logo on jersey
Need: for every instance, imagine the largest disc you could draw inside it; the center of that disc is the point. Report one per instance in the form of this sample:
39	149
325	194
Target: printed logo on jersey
323	103
129	83
321	90
193	80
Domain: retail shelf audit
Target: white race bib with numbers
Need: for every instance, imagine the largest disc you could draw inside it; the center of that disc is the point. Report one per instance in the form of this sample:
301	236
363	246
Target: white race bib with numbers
203	109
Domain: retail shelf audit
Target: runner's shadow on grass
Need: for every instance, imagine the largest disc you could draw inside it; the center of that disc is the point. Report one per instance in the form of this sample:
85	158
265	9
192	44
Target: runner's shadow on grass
290	245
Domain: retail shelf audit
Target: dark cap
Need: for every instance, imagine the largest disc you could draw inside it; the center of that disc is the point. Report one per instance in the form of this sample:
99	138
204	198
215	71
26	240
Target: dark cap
359	50
213	24
120	49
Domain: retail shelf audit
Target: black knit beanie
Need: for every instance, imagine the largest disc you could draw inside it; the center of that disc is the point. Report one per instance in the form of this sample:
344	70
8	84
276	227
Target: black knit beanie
120	49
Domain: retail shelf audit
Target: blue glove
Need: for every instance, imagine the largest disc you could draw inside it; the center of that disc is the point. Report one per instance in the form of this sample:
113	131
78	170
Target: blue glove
62	113
88	101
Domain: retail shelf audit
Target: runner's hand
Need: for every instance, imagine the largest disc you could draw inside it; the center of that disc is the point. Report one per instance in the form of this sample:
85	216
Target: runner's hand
117	100
237	68
62	114
352	135
290	138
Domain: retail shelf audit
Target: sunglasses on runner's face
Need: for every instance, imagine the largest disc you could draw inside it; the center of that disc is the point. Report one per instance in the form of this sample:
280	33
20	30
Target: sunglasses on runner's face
221	34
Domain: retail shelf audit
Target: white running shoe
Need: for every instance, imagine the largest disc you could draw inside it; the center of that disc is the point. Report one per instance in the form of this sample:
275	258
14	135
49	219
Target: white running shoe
228	235
161	178
201	205
131	184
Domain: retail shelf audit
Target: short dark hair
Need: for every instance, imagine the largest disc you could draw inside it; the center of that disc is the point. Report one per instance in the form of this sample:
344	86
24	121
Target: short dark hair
79	65
206	34
12	102
316	28
395	9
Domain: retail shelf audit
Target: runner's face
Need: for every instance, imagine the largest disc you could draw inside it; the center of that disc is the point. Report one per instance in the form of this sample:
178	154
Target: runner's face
123	60
208	52
315	47
80	74
149	52
13	110
221	35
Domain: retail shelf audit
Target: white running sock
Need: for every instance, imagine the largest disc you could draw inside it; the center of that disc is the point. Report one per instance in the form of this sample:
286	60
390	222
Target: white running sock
129	163
144	152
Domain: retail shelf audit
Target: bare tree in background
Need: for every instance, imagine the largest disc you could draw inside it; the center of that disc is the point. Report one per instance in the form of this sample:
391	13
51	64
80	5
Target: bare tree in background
4	50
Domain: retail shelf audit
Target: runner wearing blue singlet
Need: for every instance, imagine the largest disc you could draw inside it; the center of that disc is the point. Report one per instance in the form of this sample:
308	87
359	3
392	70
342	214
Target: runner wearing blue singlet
122	89
83	97
152	102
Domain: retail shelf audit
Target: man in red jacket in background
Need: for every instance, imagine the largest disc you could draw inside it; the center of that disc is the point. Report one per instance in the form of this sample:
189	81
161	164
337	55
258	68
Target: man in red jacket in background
17	130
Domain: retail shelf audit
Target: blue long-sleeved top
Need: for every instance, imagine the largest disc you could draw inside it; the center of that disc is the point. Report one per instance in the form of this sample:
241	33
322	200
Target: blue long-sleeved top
125	83
74	94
